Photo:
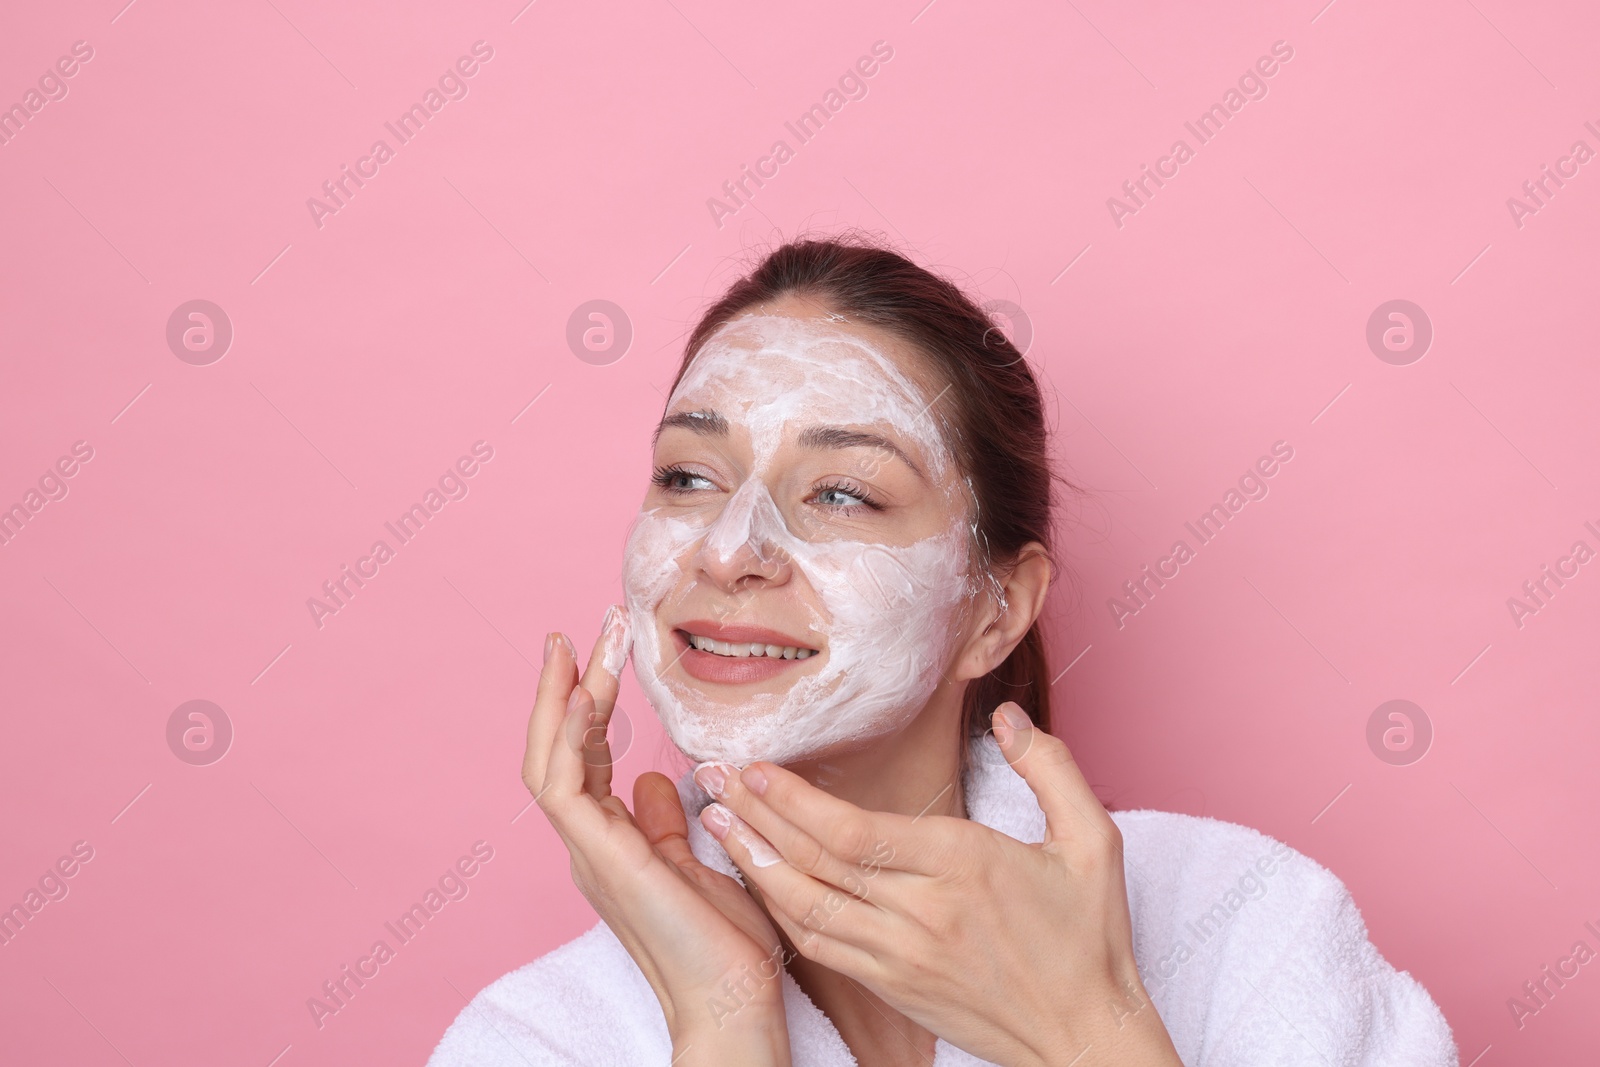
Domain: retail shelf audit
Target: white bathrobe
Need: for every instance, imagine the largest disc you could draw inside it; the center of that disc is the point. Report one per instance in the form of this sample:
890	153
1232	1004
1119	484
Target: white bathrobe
1252	954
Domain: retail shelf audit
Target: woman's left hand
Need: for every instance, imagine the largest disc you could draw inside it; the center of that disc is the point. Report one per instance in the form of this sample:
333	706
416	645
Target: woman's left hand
1017	953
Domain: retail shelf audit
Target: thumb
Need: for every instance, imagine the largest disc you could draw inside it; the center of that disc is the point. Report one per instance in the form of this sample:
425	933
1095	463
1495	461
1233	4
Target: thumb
1071	810
658	813
656	808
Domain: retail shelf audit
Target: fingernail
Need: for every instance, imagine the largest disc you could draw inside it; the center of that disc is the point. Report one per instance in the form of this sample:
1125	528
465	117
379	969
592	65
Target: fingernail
1003	733
1015	717
755	780
572	700
549	645
713	778
565	640
718	821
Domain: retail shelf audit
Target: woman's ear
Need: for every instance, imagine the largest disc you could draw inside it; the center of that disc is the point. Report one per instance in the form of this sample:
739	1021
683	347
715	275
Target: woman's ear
1001	624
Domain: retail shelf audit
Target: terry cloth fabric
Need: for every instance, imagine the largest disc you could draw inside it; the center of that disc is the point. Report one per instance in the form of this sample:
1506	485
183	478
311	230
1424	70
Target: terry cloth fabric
1252	954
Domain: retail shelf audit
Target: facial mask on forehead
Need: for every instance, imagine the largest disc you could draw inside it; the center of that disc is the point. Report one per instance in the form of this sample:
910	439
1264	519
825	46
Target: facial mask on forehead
888	613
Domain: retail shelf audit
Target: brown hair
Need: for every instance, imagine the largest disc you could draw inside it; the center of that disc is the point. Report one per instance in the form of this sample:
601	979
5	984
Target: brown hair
997	430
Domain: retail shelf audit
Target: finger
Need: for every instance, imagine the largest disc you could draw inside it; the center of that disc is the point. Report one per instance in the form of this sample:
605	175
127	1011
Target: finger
565	773
606	660
825	923
549	704
797	847
766	795
1071	810
577	817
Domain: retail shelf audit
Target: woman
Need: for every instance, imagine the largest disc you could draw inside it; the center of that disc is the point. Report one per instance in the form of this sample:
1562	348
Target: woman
832	595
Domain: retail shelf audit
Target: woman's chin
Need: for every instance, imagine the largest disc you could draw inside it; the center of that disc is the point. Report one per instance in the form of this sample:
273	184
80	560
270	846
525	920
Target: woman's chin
742	752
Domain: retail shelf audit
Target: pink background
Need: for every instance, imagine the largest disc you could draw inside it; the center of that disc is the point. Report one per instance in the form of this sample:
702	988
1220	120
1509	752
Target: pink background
368	354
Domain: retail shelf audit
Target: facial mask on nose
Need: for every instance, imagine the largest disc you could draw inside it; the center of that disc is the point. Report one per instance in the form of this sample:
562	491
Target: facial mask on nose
888	613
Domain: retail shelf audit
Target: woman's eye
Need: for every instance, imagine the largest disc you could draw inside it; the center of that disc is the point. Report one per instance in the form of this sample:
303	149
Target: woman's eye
839	498
678	480
846	498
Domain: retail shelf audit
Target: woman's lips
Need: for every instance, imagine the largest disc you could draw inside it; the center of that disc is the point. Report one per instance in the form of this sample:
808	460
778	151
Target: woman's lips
733	670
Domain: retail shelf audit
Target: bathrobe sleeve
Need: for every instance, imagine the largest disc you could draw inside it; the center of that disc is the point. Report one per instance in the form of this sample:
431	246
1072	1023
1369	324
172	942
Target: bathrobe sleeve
1255	954
583	1005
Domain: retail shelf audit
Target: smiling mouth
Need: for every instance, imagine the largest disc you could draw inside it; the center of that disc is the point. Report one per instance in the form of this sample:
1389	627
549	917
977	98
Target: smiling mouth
745	649
709	650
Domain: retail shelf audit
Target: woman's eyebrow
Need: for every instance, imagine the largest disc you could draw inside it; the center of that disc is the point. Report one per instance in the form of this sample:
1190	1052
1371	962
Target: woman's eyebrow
706	423
821	437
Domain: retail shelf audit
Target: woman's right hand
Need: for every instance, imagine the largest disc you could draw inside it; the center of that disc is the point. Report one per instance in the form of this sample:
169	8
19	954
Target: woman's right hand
689	928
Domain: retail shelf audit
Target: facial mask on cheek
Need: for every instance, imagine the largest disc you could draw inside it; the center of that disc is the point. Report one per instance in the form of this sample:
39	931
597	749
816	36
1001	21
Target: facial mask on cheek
890	627
889	613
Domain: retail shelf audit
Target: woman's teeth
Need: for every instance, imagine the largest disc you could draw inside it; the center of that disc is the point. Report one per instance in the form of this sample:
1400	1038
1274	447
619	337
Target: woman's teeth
745	649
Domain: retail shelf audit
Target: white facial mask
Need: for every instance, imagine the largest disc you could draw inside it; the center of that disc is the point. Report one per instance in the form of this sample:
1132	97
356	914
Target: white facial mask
888	614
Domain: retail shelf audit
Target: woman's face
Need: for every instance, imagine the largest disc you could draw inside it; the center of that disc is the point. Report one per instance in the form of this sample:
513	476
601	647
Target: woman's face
798	576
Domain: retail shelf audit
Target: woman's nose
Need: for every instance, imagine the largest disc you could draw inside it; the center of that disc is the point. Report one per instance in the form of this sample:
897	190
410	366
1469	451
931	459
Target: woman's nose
746	540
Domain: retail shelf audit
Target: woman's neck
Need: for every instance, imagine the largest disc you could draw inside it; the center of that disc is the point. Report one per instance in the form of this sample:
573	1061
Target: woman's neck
914	772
